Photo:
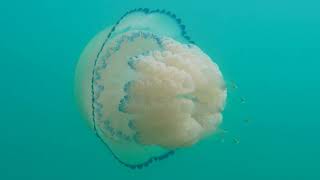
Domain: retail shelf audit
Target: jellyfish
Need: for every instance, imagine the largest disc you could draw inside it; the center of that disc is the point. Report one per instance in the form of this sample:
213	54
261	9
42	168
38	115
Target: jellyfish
146	89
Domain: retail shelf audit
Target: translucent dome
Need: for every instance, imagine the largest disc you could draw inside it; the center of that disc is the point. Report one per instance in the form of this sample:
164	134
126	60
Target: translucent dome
146	89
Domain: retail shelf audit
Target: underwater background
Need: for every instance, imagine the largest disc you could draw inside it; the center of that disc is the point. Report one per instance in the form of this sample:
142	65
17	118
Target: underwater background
270	50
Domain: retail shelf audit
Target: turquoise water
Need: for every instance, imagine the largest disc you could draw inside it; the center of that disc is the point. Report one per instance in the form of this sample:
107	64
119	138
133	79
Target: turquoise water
269	49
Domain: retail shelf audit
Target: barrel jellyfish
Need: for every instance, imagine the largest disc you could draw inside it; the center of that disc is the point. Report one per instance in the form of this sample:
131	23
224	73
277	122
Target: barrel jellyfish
146	89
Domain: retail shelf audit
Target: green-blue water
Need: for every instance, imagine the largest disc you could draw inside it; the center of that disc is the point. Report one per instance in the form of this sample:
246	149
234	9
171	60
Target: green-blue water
270	49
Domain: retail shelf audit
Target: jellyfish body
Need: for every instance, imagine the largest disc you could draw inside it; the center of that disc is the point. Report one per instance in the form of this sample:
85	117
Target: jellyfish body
146	89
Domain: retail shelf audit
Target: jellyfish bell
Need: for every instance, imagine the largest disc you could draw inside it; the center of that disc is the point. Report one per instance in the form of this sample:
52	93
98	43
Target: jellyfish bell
146	89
